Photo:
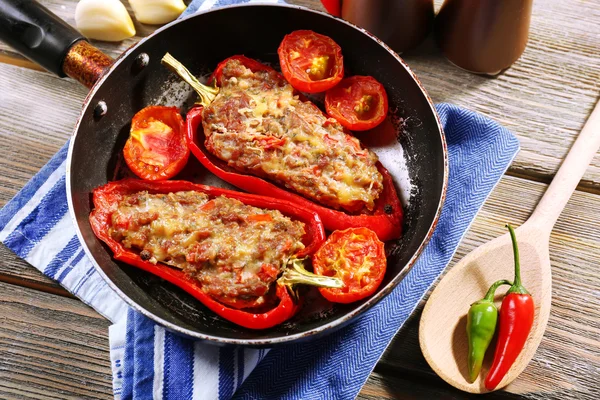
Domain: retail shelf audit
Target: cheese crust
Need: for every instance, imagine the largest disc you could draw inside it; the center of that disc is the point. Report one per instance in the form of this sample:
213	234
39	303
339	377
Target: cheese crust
259	126
235	251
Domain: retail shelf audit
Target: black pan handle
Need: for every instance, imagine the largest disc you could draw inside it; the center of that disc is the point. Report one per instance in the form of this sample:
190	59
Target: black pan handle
37	33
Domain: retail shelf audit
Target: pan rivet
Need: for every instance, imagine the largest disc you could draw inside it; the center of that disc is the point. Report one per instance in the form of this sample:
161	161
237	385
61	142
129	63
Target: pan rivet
100	110
140	62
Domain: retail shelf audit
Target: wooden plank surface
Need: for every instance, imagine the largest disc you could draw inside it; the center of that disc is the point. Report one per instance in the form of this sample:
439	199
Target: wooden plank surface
52	347
544	98
31	132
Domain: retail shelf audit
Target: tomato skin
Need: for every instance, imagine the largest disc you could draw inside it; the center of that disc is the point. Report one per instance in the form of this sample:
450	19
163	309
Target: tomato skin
260	218
304	52
344	101
156	149
343	255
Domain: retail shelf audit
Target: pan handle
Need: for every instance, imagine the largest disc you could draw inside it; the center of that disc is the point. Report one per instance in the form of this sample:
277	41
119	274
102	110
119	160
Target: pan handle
41	36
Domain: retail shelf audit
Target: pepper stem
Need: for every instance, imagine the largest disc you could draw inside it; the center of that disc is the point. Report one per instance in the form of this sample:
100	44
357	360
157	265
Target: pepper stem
517	287
489	296
296	274
206	93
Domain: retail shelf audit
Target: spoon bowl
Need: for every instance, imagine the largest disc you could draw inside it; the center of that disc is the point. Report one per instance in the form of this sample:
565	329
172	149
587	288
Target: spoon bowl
443	326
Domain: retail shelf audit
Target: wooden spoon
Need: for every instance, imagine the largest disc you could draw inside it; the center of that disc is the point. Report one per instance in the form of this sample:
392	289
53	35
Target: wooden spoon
442	330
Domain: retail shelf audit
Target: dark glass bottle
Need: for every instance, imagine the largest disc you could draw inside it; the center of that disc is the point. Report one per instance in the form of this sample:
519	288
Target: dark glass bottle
401	24
483	36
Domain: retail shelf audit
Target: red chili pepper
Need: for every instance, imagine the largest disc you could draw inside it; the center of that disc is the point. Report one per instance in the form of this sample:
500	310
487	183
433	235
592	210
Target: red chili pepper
516	319
106	199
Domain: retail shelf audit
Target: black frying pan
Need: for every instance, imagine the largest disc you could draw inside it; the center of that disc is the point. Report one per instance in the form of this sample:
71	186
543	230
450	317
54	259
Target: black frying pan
411	144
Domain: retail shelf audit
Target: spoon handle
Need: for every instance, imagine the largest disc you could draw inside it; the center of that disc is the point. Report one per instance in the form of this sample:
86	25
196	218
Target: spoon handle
570	173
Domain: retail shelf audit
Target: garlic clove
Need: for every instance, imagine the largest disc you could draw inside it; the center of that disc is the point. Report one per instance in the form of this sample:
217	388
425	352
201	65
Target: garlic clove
104	20
156	12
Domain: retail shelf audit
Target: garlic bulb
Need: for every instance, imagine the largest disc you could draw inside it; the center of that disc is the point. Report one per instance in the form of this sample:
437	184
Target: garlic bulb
157	11
104	20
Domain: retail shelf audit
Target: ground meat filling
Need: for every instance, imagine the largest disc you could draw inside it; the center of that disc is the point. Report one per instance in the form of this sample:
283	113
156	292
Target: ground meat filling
258	126
234	250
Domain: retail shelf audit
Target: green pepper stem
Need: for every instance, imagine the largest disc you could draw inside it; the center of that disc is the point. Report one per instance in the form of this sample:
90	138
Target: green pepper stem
489	296
206	93
296	274
517	287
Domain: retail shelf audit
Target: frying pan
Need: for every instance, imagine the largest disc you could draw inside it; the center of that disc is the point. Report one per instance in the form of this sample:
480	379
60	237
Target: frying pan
410	143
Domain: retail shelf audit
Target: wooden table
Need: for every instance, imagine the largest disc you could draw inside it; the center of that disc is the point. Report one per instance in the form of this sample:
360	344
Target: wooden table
52	346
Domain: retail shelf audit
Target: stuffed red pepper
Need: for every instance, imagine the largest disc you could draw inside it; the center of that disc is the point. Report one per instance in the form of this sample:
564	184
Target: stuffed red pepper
237	253
255	132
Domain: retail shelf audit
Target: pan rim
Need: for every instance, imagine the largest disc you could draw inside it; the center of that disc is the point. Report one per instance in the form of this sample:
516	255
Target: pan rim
314	332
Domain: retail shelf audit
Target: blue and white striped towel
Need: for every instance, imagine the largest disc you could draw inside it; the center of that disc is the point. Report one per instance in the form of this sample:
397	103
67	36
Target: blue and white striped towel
149	362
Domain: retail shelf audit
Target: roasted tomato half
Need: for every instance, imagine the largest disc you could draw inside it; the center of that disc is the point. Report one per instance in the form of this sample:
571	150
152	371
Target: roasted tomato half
358	103
357	257
311	62
156	148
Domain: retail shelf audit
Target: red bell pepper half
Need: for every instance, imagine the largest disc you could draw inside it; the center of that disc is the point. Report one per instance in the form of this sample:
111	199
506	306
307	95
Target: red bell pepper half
107	198
385	220
252	65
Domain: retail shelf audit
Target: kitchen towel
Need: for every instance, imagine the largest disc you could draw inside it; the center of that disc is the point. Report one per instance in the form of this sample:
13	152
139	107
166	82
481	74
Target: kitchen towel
150	362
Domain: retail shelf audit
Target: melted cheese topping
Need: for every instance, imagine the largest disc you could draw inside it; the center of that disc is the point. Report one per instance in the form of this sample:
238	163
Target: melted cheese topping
257	125
234	250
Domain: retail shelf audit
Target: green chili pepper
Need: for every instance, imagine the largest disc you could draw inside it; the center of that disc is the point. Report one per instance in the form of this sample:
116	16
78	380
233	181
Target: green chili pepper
481	325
